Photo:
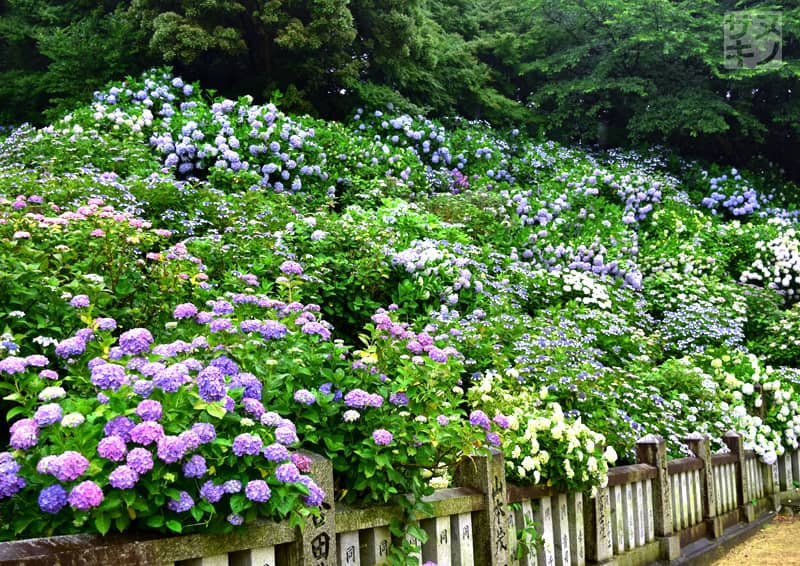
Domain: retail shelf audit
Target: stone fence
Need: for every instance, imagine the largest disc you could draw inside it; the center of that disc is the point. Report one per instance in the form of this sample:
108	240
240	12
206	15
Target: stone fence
654	510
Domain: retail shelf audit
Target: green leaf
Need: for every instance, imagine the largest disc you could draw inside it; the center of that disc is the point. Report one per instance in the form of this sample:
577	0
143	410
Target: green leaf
174	526
155	522
102	523
215	410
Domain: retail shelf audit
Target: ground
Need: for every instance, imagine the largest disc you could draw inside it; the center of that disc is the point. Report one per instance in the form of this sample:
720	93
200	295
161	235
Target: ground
774	545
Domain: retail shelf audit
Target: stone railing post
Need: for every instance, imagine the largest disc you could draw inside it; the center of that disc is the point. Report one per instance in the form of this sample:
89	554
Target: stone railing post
698	444
597	528
491	536
652	450
734	442
316	543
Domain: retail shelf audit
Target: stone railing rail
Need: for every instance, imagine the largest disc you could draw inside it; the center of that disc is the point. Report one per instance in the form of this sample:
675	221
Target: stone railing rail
650	511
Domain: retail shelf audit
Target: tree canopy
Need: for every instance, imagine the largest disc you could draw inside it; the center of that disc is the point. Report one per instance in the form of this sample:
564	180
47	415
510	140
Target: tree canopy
610	71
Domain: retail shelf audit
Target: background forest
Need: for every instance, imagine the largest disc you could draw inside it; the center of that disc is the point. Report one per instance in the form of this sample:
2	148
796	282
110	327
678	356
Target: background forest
625	73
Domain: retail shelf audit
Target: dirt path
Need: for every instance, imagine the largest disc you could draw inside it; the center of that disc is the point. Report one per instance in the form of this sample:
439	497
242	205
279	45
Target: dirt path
776	544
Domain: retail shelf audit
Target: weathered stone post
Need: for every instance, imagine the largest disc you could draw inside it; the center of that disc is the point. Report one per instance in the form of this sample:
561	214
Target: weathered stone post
316	543
698	444
652	450
734	442
491	536
597	529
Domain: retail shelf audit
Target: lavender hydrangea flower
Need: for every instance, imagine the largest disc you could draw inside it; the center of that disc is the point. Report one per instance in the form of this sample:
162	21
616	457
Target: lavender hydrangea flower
286	435
47	414
109	376
69	466
270	418
123	477
119	426
140	460
211	492
235	519
136	341
479	418
12	364
36	360
195	467
52	499
252	385
253	407
276	452
225	365
24	437
273	330
105	323
146	433
143	388
357	399
247	444
79	301
315	495
170	449
181	505
205	431
287	473
442	420
52	393
382	437
304	397
48	374
85	495
232	486
291	268
112	448
492	438
10	482
69	347
149	410
219	324
316	328
501	421
184	310
211	384
190	439
257	490
172	378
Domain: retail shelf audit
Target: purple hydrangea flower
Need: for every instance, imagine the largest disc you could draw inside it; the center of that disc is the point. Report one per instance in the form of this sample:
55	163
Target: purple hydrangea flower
272	330
315	495
140	460
171	448
195	467
79	301
146	433
112	448
382	437
232	486
316	328
253	407
185	310
226	365
252	385
105	323
119	426
171	378
270	418
48	374
10	482
85	495
479	418
13	364
74	346
47	414
143	388
123	477
181	505
211	384
24	437
205	431
190	439
442	420
221	307
37	360
291	268
247	444
304	397
286	435
69	466
211	492
136	341
219	324
109	376
149	410
52	499
492	438
257	490
287	473
501	421
235	519
276	452
399	399
357	398
302	462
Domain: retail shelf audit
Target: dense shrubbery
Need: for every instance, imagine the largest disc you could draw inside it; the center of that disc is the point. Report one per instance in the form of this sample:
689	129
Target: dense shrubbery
393	291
